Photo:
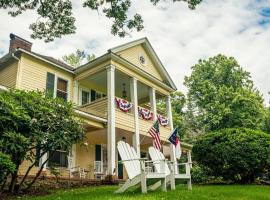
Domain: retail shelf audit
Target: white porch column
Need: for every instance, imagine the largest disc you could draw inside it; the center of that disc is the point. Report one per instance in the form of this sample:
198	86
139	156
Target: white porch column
73	154
42	160
76	93
152	94
134	101
111	119
169	115
189	158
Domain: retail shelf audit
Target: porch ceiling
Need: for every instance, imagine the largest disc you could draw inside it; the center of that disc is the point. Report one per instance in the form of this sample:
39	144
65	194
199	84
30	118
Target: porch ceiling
98	81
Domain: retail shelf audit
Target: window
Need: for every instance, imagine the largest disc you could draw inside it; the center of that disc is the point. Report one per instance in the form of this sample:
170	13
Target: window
50	84
61	90
96	95
58	158
85	97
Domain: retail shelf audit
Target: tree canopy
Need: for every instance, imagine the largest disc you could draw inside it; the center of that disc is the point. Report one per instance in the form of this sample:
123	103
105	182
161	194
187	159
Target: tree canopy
221	95
76	59
56	17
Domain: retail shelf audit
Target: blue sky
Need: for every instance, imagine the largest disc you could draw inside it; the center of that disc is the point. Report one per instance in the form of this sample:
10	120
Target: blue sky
180	36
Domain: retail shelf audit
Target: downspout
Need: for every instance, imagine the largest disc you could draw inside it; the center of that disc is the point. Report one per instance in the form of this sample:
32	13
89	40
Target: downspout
17	83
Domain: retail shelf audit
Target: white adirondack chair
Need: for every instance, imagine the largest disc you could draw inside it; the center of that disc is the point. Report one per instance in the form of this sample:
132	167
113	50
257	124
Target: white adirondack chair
135	168
171	174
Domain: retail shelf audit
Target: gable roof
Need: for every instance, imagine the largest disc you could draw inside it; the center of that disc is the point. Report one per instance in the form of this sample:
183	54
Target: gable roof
48	59
112	53
148	47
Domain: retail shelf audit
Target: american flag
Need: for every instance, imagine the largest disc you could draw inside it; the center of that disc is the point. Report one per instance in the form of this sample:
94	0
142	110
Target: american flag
154	132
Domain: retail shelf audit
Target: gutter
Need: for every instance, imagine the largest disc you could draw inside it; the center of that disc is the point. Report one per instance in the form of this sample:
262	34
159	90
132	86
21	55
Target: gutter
89	116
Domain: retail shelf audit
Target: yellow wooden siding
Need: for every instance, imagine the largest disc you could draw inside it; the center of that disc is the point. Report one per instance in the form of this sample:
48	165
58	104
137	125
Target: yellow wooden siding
145	125
34	75
140	78
132	55
8	75
98	107
124	121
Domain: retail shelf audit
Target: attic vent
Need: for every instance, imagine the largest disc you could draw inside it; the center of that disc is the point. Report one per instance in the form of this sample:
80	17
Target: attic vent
142	59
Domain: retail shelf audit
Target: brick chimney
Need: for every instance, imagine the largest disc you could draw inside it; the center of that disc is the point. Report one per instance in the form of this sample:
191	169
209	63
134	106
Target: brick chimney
18	42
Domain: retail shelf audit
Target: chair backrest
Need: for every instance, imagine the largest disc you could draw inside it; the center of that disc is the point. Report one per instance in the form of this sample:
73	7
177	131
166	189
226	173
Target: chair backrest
158	157
130	159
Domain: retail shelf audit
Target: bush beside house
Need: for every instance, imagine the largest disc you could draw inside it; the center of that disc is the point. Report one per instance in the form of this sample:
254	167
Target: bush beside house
32	124
239	154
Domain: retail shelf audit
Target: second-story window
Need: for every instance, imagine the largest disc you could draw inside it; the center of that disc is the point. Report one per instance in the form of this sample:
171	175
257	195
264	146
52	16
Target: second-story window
61	90
85	97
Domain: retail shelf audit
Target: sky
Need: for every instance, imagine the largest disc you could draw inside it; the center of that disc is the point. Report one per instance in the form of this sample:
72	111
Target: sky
180	36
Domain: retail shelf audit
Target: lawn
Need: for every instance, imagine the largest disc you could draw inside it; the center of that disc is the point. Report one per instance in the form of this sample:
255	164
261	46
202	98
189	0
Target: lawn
217	192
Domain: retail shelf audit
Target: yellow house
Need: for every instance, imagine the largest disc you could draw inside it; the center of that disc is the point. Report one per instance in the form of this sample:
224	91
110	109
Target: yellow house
131	71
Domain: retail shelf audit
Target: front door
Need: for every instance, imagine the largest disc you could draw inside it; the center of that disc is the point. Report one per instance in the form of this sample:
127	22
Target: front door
120	168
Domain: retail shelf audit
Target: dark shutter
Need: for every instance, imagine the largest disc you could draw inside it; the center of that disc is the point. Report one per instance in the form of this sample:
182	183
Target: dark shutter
50	84
98	152
93	95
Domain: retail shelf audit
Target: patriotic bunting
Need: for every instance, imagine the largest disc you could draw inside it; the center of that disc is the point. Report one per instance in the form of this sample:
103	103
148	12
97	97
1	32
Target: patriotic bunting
163	120
123	105
145	113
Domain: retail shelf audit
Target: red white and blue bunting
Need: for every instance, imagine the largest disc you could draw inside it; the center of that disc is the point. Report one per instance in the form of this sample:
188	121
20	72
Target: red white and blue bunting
163	121
123	105
145	113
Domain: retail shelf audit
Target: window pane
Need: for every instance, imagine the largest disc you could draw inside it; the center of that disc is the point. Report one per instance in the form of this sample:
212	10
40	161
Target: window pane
58	158
98	95
93	95
85	97
62	85
61	94
50	84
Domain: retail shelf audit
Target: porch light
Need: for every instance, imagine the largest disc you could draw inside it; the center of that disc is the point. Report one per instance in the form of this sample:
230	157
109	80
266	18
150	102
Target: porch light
124	92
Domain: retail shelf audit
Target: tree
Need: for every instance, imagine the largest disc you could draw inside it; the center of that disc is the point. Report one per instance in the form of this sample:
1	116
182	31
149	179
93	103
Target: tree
177	102
266	124
76	59
56	18
221	95
31	125
238	155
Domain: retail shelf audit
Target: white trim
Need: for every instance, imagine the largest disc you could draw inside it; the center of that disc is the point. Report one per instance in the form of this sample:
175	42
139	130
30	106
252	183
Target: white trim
82	88
55	86
111	119
152	94
134	101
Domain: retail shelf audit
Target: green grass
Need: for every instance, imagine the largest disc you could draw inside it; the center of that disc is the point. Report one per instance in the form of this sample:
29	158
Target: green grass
214	192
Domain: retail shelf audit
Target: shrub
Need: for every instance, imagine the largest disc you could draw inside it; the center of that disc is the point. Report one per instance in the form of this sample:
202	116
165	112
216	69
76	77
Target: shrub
6	166
199	174
238	155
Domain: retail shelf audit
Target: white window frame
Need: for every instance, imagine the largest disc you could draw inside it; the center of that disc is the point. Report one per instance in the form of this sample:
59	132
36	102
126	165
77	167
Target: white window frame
55	86
80	94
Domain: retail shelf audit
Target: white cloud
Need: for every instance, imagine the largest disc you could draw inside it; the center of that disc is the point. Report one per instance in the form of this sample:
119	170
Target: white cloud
180	36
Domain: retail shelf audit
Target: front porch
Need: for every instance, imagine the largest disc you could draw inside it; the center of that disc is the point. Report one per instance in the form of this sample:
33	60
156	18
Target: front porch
92	155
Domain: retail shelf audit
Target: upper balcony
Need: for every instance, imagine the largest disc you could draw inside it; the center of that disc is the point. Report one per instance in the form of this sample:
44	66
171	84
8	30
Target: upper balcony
92	99
125	120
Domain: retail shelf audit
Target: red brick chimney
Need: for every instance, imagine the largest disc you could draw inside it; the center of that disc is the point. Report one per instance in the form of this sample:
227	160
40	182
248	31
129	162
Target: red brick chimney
18	42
